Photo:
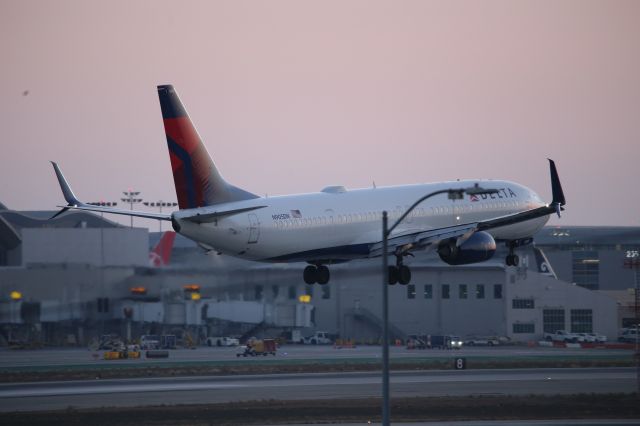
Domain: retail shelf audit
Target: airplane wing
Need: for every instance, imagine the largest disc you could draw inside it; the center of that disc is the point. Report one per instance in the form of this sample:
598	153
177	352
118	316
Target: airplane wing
75	204
422	240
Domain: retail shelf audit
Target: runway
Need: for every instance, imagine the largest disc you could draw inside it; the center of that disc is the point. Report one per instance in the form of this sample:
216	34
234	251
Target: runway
200	390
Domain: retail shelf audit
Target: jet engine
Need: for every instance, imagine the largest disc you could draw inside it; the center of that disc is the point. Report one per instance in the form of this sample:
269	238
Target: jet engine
477	248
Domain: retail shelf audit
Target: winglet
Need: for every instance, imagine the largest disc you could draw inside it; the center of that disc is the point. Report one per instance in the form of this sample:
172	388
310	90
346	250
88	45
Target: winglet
556	188
66	191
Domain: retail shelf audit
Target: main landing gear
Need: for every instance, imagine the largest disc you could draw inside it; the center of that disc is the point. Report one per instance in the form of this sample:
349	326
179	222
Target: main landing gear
400	273
512	259
316	274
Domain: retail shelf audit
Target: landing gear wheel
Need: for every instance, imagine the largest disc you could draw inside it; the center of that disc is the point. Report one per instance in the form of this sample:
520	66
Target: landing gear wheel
404	274
310	274
512	260
322	275
393	275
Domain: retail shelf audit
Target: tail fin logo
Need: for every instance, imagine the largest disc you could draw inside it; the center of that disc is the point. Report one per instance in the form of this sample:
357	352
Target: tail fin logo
161	254
197	180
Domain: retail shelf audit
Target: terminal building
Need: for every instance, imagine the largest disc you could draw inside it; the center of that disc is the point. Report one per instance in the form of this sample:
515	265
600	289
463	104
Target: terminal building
78	276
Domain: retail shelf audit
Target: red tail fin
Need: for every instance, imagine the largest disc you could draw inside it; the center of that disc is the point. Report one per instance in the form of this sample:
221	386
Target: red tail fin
161	254
197	180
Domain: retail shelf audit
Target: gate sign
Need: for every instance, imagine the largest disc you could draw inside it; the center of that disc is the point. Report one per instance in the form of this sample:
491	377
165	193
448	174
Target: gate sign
460	363
632	254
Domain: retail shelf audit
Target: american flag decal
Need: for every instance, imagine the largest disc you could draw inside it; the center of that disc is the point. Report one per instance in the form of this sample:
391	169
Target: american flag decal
473	197
296	214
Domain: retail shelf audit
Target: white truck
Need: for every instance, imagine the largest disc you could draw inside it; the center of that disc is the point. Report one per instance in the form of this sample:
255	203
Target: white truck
222	341
564	336
318	338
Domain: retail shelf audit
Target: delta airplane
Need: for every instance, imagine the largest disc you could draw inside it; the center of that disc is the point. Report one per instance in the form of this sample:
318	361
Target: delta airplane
336	225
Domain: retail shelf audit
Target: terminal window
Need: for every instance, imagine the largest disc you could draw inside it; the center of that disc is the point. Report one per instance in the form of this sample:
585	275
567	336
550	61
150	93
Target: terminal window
586	269
497	291
553	320
428	291
411	291
520	328
462	291
522	304
480	291
276	290
445	291
581	321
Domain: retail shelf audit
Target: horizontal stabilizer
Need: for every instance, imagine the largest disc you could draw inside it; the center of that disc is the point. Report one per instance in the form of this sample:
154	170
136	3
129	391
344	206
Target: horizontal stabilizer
75	204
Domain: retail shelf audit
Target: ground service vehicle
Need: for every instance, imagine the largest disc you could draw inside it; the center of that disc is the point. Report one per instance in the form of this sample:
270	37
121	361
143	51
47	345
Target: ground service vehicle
629	336
481	341
319	338
222	341
563	336
258	347
444	342
415	341
149	341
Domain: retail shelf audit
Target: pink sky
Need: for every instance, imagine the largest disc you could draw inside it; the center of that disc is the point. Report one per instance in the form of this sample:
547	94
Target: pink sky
291	96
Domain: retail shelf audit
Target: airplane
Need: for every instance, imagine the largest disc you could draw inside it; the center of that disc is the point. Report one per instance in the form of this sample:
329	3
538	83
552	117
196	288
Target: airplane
337	225
161	254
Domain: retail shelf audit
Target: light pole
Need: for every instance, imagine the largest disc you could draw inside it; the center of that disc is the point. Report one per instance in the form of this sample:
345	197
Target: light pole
103	204
453	194
160	205
130	197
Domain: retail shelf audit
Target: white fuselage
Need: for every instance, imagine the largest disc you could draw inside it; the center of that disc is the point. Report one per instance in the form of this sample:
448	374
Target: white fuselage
336	224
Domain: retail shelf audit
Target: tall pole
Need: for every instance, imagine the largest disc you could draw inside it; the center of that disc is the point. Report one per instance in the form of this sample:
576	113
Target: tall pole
385	322
453	194
103	204
130	197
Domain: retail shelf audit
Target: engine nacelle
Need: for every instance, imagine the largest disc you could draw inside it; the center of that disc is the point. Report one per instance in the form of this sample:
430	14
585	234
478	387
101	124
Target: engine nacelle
479	247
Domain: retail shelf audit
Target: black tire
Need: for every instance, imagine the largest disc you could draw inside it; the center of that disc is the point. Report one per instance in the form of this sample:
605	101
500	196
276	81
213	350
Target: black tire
393	275
208	342
516	260
509	260
404	275
310	274
323	275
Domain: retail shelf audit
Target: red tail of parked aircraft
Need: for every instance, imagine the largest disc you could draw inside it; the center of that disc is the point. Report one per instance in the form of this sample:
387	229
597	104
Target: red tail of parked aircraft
161	253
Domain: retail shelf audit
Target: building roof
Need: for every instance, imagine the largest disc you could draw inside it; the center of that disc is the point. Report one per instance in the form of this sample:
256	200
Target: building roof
12	222
588	235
